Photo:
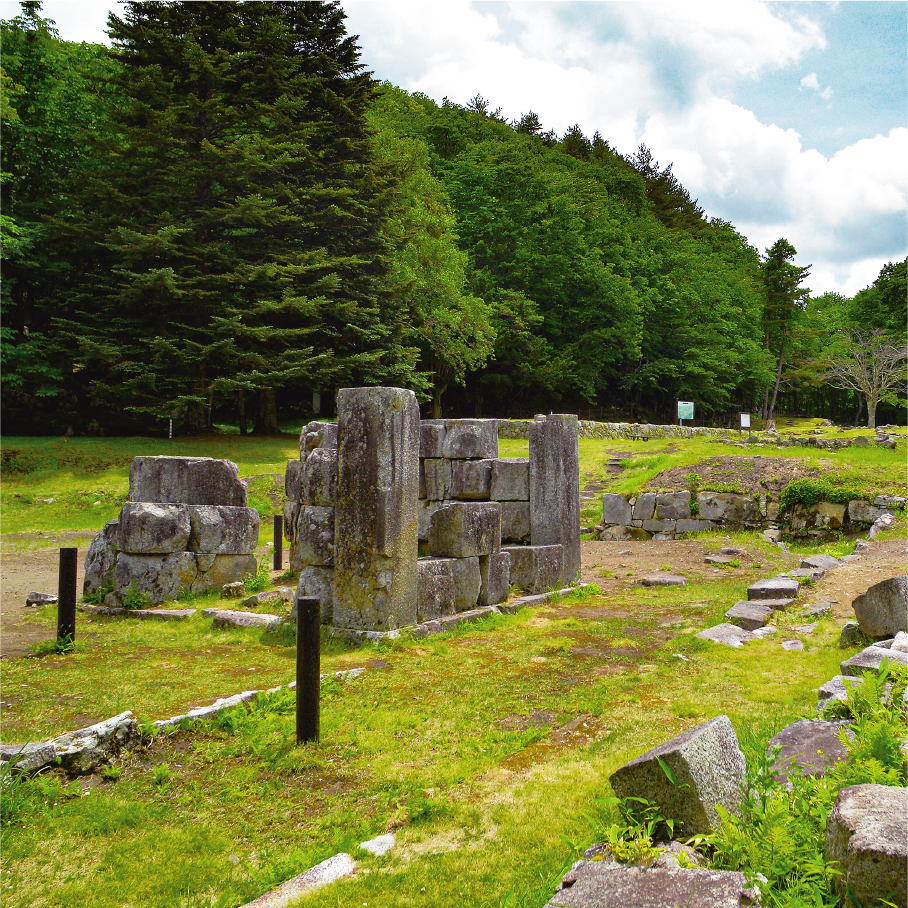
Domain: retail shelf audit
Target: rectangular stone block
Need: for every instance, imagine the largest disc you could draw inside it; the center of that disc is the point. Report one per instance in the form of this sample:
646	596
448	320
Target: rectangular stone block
471	479
728	507
515	521
147	528
160	577
536	568
435	592
424	511
693	526
774	588
431	438
315	536
749	615
291	511
217	570
659	526
495	574
223	531
292	477
318	484
464	529
186	480
376	542
317	435
467	582
471	438
510	479
673	506
555	488
438	478
616	510
317	581
645	506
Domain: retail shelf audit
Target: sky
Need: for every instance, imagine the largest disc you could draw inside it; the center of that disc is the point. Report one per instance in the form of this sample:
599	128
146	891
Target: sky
786	119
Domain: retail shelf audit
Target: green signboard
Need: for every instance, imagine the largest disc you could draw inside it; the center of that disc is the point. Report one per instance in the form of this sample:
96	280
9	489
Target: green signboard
685	409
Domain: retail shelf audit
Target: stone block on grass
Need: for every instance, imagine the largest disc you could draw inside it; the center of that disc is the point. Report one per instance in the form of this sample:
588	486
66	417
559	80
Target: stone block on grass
727	634
435	592
821	562
774	588
465	529
708	768
869	661
319	582
749	615
495	575
883	610
186	480
811	744
666	579
535	568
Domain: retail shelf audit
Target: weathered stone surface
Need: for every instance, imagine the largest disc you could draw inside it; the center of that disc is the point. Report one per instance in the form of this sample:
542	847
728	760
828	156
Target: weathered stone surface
318	482
860	511
900	642
268	597
811	744
806	575
883	610
867	837
465	529
749	615
100	560
510	479
728	507
820	562
432	438
645	506
216	570
471	479
816	610
792	645
229	618
861	441
535	568
435	588
663	580
471	438
495	574
869	660
291	512
727	634
315	536
616	510
555	488
329	871
375	520
437	472
708	768
694	525
467	582
424	511
621	534
223	530
88	748
380	845
777	605
35	599
515	521
28	758
823	514
889	502
148	528
186	480
774	588
837	688
717	559
317	581
608	884
673	506
159	614
659	526
852	635
161	577
292	478
317	435
885	522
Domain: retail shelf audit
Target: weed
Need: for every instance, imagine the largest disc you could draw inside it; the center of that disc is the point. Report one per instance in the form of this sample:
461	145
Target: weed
161	775
58	646
134	598
111	772
261	579
693	486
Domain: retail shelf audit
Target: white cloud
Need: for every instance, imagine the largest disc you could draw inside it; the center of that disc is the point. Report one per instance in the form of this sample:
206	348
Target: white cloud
810	81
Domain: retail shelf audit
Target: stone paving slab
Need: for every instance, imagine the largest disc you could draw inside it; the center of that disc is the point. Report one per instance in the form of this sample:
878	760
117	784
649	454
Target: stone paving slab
727	634
230	618
774	588
141	614
663	580
749	615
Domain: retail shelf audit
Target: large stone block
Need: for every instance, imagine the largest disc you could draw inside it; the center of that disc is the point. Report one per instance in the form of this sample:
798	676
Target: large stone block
318	483
660	526
749	615
217	570
510	479
471	479
471	438
821	562
883	610
555	488
100	560
645	506
317	435
319	582
515	521
673	506
432	438
467	582
616	510
376	542
424	511
465	529
536	568
160	577
822	515
867	838
727	507
186	480
861	511
774	588
709	771
292	478
147	528
811	744
315	536
222	530
435	588
693	526
495	573
291	512
437	471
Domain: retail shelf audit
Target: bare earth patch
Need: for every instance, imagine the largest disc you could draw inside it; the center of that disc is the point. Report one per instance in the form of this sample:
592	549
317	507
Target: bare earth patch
748	474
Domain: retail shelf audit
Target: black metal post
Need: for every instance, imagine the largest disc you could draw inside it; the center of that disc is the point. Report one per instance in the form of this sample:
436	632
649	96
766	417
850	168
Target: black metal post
308	664
66	595
278	542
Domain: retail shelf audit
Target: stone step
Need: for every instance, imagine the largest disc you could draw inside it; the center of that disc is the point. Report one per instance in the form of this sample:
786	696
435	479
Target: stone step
727	634
749	615
774	588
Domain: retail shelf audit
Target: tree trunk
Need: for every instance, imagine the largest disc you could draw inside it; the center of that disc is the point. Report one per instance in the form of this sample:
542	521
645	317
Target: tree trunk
775	390
857	411
241	403
871	413
436	401
196	420
266	422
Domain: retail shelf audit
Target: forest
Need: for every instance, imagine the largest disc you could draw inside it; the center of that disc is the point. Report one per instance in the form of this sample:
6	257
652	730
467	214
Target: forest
224	214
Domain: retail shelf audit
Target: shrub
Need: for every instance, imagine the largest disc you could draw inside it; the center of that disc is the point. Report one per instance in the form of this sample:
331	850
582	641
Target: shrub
811	491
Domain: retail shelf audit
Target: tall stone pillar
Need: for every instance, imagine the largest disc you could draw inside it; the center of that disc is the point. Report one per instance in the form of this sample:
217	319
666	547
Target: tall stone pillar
375	548
555	488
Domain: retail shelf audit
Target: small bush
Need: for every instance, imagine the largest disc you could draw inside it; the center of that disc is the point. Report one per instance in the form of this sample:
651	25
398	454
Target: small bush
135	598
811	491
261	579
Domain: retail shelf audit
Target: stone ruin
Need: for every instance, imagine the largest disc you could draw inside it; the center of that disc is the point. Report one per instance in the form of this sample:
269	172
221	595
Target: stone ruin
185	527
371	494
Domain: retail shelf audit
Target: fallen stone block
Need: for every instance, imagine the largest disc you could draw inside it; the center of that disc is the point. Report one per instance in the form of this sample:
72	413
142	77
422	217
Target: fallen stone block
82	751
806	628
708	768
186	480
860	511
866	838
749	615
616	510
869	660
900	642
467	582
792	645
148	528
223	530
883	610
852	635
663	580
774	588
229	618
510	479
470	439
465	529
34	599
820	562
515	521
765	631
813	745
727	634
495	574
718	559
806	575
471	479
435	591
535	568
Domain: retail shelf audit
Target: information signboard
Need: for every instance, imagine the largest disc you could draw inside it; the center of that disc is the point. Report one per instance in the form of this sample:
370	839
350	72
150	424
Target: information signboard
745	420
685	409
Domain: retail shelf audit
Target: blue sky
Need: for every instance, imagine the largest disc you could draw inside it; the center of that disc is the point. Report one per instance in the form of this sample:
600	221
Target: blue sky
787	119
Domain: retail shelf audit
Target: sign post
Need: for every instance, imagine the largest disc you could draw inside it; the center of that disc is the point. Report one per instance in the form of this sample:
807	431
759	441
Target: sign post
745	421
685	411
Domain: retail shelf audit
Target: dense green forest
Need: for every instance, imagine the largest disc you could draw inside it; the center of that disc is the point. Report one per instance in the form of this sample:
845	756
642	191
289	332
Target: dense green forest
225	212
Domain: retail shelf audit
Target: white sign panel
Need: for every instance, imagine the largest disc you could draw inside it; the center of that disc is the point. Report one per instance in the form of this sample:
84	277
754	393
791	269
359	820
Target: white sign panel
745	420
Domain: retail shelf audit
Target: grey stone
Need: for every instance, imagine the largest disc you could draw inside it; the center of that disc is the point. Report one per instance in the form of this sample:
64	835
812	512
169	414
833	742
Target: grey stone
319	582
728	507
645	506
621	534
774	588
186	480
515	521
727	634
792	644
465	529
471	438
329	871
495	574
228	618
82	751
471	479
510	479
160	577
806	575
717	559
777	605
731	550
673	506
866	837
437	471
694	525
291	512
315	536
435	592
223	530
28	758
467	582
823	514
380	845
375	521
889	501
869	660
819	610
616	510
292	479
148	528
535	568
663	580
555	488
852	635
806	628
749	615
35	599
900	642
659	526
424	511
431	438
268	597
861	441
100	560
709	771
318	482
883	610
881	523
837	688
820	562
317	435
766	631
861	545
860	511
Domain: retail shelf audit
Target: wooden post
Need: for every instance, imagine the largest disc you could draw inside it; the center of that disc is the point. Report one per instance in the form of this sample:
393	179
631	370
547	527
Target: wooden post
66	595
278	542
308	663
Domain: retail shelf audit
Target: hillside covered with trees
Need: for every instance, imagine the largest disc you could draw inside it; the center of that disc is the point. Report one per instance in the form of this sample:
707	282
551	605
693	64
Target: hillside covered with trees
225	213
